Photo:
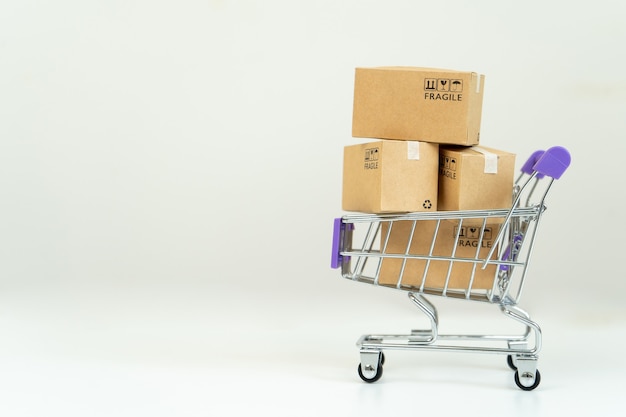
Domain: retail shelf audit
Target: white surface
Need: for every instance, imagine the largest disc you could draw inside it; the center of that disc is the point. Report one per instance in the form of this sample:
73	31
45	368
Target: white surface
169	173
184	351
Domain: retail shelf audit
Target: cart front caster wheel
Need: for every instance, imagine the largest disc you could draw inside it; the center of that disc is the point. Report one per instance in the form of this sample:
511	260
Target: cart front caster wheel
530	387
371	365
376	377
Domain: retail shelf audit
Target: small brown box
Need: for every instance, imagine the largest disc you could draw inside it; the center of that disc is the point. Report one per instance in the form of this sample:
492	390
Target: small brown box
390	176
475	178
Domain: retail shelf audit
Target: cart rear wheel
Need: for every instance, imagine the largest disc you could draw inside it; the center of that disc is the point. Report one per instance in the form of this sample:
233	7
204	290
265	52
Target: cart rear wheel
534	385
379	373
509	361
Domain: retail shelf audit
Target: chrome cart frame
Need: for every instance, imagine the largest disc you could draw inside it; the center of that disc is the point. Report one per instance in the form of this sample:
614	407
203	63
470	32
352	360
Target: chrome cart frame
490	269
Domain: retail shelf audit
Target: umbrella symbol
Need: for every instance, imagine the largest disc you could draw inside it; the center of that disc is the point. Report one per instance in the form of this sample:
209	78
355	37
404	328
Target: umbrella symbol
457	85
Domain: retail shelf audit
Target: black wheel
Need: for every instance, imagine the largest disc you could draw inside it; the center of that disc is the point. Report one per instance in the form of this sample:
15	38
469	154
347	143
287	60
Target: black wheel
379	373
531	387
382	358
509	361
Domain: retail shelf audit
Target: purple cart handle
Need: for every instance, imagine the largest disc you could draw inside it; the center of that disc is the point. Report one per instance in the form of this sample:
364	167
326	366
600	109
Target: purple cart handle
553	162
528	167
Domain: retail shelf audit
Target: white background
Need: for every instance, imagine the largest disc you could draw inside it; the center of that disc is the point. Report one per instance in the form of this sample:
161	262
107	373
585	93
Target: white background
169	172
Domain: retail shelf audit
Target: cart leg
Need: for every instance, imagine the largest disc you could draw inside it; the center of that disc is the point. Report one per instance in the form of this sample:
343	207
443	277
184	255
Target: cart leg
425	336
523	360
371	366
521	316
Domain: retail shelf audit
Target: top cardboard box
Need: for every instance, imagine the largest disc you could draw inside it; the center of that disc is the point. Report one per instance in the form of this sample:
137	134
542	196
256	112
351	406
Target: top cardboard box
419	104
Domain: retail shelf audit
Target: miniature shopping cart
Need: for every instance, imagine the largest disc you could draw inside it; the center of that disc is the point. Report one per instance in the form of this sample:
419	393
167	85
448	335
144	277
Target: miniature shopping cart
486	262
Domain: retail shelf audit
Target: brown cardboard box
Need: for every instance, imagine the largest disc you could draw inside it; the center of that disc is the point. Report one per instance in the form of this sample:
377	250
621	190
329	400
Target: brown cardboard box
413	103
390	176
466	247
475	178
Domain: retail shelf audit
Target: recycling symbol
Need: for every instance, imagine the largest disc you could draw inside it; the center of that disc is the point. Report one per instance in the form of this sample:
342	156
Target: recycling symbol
427	204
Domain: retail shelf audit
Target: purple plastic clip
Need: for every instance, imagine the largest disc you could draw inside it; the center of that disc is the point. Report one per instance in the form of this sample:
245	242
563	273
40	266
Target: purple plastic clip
553	162
510	254
336	259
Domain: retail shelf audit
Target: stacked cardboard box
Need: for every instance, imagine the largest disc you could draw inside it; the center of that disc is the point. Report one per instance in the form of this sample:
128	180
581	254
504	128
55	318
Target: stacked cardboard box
424	155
